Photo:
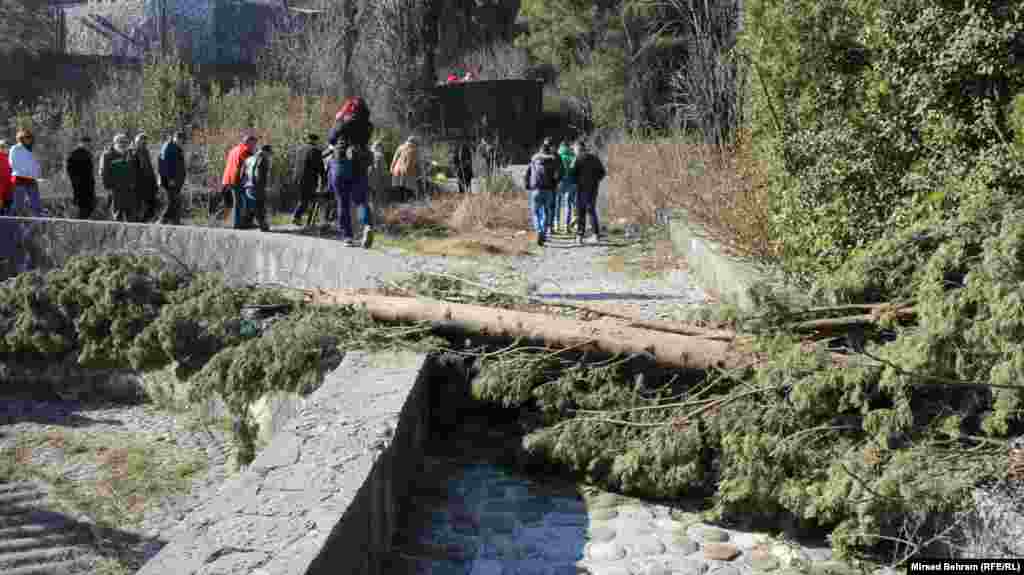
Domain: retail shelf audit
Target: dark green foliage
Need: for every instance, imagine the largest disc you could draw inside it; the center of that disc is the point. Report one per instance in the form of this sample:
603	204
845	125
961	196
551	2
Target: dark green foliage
122	310
873	111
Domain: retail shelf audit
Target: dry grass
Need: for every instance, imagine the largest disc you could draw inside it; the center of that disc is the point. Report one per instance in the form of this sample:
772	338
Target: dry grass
499	206
475	245
721	191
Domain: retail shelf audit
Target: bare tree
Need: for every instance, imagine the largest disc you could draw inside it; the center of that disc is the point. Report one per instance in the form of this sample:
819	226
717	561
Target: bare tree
395	56
707	90
314	50
25	25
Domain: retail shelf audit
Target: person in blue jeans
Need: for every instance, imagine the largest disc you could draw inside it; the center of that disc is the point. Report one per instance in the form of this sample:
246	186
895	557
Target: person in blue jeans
541	180
588	171
565	198
349	182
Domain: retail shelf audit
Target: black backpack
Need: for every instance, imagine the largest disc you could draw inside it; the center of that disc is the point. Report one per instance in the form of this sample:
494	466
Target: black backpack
544	173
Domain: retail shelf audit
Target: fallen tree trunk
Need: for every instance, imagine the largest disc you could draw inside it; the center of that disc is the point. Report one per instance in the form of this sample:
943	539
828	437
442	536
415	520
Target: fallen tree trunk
668	349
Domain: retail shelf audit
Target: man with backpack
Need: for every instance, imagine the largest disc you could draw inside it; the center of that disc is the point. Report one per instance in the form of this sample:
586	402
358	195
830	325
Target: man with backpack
541	181
588	171
255	180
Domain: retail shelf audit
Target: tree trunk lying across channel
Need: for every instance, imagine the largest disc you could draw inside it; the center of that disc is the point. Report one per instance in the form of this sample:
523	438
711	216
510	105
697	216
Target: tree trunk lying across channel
669	349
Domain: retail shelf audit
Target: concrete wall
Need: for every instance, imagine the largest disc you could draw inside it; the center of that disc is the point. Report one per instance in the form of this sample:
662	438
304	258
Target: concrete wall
243	255
324	496
727	278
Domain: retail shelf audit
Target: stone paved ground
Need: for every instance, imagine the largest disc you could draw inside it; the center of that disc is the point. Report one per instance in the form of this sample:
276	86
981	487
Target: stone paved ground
33	529
476	515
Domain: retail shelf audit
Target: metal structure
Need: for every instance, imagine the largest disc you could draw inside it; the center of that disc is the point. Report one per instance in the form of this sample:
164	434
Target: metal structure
506	111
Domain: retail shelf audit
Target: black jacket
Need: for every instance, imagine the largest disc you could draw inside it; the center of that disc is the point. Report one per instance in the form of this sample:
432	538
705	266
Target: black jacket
309	170
81	170
589	171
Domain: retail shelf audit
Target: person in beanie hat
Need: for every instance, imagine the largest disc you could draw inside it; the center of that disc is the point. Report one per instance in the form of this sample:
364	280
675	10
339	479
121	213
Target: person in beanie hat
80	170
309	175
172	176
117	174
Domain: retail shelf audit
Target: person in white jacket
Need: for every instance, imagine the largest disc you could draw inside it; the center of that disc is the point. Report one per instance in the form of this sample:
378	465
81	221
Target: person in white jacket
26	172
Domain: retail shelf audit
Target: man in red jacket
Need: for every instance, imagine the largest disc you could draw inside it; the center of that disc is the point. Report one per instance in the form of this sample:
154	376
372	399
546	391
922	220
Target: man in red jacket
232	179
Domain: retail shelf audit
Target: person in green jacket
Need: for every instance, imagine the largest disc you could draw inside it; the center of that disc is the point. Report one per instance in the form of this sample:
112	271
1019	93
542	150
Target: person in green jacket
566	196
117	174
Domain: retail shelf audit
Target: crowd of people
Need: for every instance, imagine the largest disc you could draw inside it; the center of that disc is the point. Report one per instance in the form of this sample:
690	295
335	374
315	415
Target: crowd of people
125	171
562	184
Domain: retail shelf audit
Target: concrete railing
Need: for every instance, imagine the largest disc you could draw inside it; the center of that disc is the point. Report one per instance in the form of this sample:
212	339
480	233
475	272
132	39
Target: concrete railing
244	255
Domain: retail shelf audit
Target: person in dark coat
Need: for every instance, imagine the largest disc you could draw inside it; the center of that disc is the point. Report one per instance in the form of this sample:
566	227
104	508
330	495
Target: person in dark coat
171	164
81	172
145	180
309	175
588	171
461	161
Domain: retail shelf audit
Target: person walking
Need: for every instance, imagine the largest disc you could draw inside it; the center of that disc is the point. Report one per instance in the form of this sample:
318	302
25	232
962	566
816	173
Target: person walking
250	204
171	164
405	165
541	180
145	180
309	175
565	199
461	161
117	174
81	173
25	174
232	177
6	180
348	182
380	179
588	171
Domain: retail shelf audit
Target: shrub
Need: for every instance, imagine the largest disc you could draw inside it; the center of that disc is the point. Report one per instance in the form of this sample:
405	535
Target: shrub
866	110
722	191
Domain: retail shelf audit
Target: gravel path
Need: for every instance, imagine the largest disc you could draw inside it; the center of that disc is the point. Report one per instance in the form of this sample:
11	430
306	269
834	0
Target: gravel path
564	271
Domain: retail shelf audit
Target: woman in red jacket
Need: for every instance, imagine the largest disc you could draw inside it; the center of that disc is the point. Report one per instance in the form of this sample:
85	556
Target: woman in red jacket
6	183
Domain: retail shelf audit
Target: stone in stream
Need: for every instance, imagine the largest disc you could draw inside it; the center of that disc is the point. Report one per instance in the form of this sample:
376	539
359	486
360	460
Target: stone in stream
603	514
602	534
642	546
605	500
712	535
721	551
761	559
635	512
675	566
682	544
605	551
